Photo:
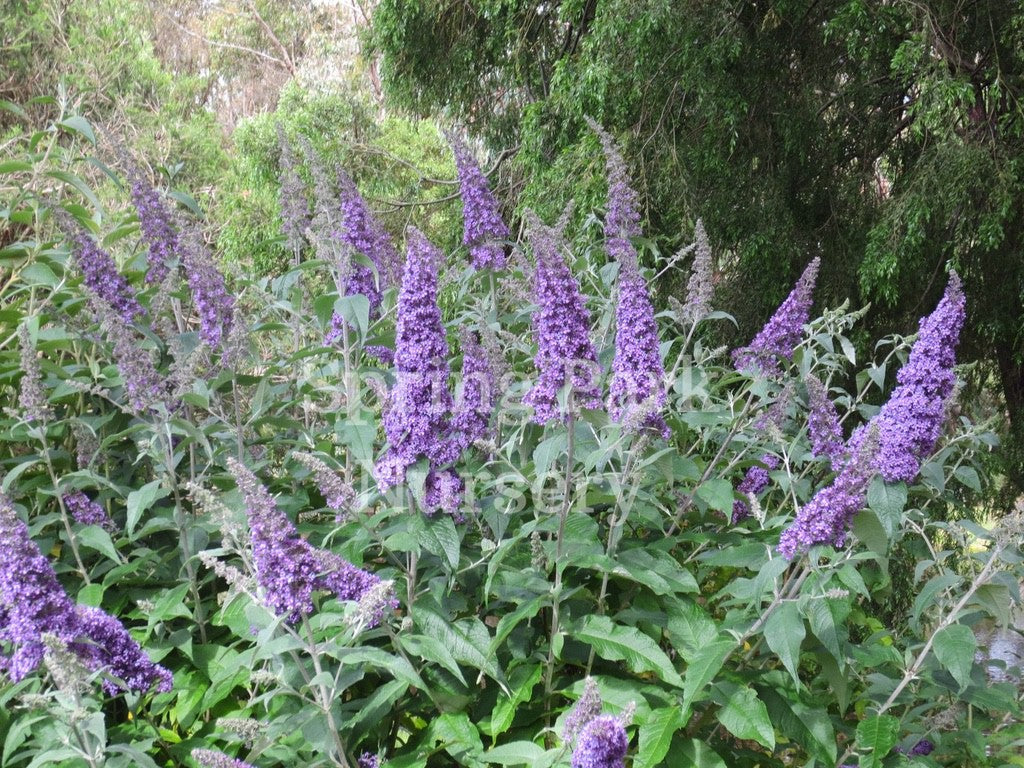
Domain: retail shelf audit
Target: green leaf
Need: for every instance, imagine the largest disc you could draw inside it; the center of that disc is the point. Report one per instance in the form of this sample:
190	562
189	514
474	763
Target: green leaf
745	716
955	647
458	736
467	639
431	649
822	615
703	668
656	733
696	754
628	644
79	124
887	502
877	736
689	627
522	682
784	631
442	539
72	180
869	529
91	594
546	452
96	538
809	727
718	494
515	753
659	571
141	500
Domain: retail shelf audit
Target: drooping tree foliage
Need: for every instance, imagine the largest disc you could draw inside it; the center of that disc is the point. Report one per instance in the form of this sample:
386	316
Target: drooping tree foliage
884	137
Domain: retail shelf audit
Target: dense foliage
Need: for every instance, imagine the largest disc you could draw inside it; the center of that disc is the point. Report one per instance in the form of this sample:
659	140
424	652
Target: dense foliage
884	137
263	517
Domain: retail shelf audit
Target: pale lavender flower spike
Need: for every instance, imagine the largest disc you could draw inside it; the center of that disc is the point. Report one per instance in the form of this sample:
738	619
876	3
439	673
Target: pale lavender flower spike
31	394
700	288
782	333
485	231
586	708
562	327
638	374
292	196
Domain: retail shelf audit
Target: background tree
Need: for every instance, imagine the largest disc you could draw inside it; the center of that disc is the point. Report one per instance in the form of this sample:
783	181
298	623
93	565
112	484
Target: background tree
883	137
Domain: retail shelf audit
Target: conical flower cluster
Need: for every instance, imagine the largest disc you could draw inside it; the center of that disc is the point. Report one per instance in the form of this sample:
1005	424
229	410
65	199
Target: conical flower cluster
33	604
700	287
565	353
638	375
417	419
99	272
31	393
910	423
157	225
485	232
364	234
782	333
288	568
215	305
898	438
601	740
823	422
472	415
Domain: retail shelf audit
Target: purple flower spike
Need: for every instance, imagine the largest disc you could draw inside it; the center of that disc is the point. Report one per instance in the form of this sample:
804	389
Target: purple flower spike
417	418
215	305
622	220
472	414
825	519
781	334
638	375
562	326
32	601
113	650
602	744
754	482
157	225
208	758
823	422
288	568
910	423
368	760
361	232
99	272
86	511
485	231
